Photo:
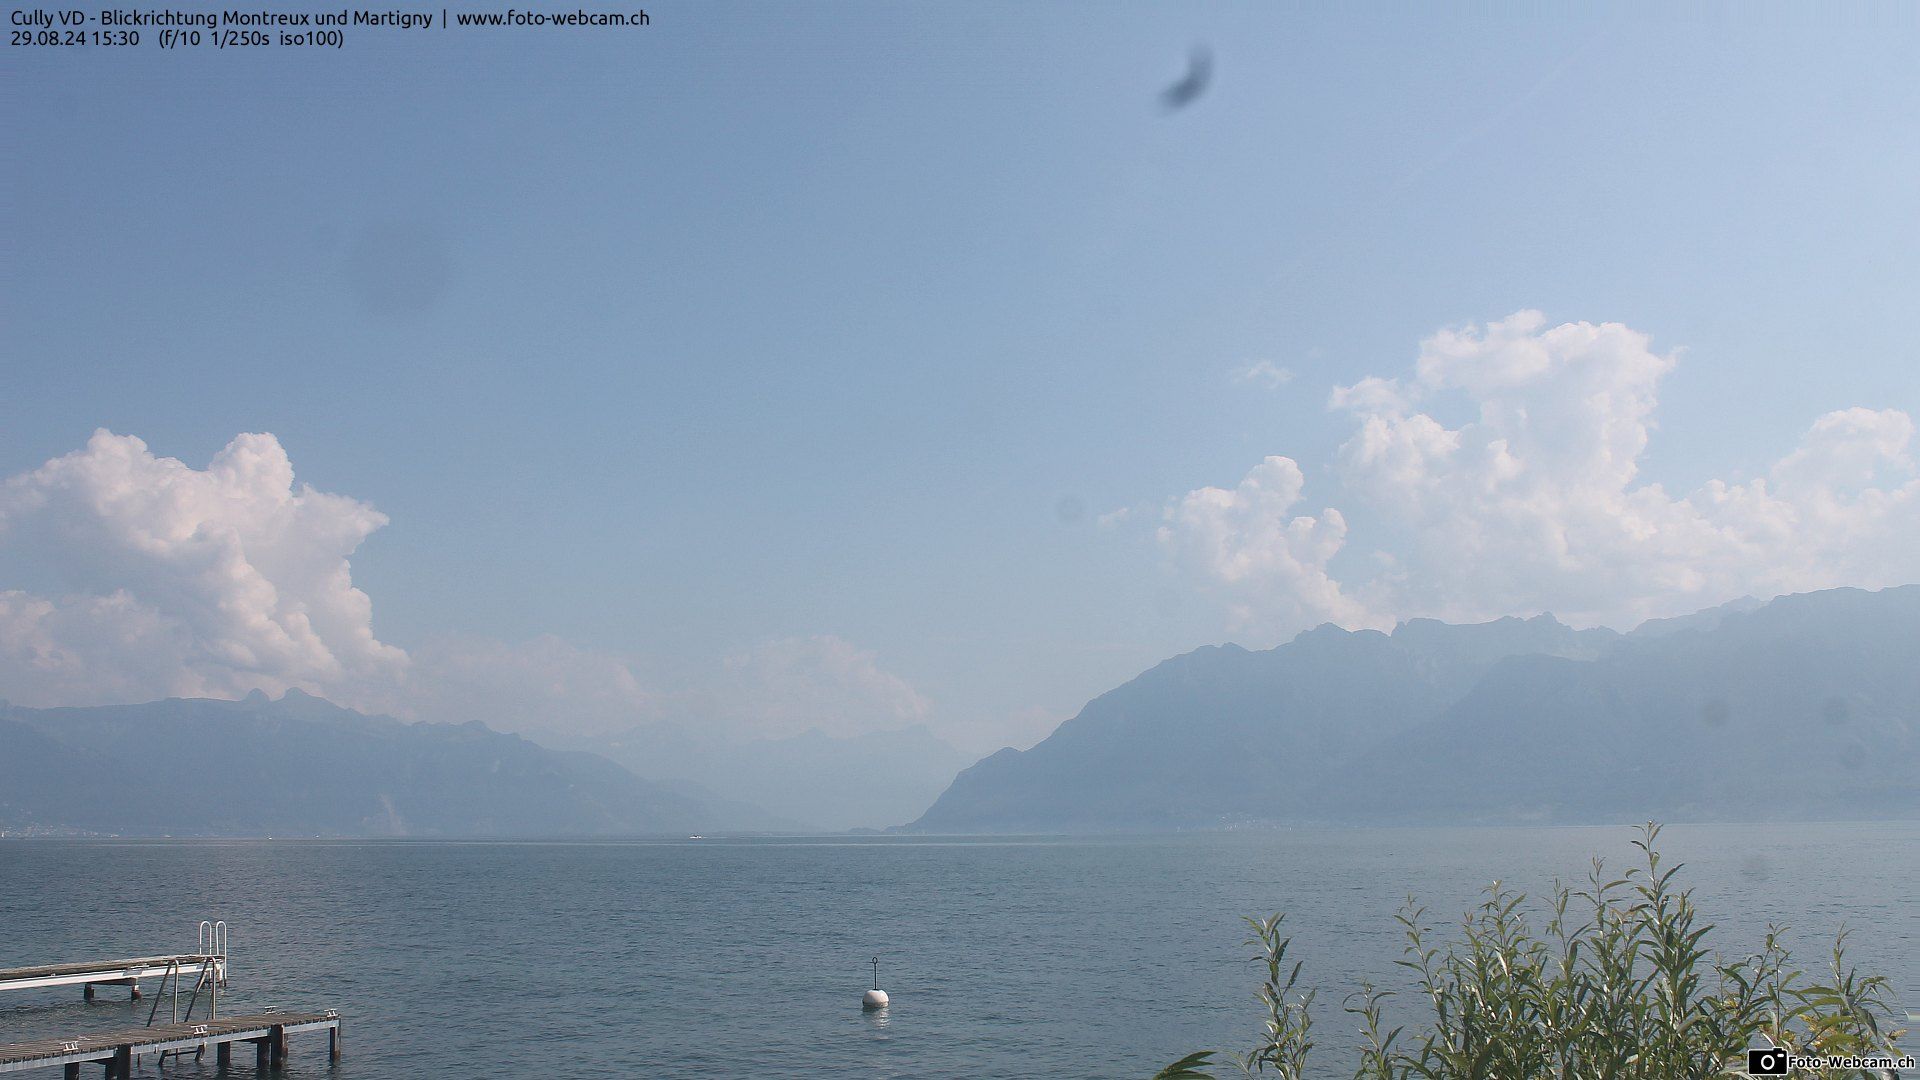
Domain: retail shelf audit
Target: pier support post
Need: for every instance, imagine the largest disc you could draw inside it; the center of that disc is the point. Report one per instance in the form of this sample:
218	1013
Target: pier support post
86	992
121	1067
277	1040
223	1056
73	1070
260	1055
333	1043
136	989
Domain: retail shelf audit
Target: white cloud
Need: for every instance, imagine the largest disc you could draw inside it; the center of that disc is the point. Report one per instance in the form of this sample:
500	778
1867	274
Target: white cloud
184	581
550	688
1264	373
544	687
1272	561
212	582
1534	502
788	686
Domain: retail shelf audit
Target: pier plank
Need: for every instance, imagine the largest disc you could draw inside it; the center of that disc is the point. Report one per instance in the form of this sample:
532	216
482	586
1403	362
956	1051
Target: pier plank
106	1045
132	969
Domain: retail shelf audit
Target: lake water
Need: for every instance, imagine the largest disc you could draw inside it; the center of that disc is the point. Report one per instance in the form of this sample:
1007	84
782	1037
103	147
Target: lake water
1027	957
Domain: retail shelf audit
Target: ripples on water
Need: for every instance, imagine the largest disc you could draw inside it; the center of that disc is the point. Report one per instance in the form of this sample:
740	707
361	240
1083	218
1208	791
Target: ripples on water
1031	957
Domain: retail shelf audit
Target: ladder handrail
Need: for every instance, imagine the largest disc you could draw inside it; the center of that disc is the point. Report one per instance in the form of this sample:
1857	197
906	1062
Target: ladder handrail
209	978
173	972
213	942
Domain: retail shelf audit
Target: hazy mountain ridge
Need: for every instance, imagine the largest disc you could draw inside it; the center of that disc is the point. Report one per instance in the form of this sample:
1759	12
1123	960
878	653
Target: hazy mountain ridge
1808	706
302	766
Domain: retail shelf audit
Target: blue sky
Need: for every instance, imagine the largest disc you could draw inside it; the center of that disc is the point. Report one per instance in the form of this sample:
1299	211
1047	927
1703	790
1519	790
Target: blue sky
784	323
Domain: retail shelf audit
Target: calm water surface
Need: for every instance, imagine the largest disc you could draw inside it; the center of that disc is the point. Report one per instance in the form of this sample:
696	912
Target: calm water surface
1032	957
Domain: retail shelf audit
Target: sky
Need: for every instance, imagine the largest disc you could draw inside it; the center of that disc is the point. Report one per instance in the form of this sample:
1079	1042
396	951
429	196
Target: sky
862	365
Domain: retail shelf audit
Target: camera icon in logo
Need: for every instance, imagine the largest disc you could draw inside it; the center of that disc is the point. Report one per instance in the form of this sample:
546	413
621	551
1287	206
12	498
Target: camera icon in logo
1767	1061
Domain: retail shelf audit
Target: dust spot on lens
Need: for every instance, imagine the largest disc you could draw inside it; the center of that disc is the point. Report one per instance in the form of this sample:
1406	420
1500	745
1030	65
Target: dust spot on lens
400	268
1714	713
1836	711
1853	756
1755	867
1070	509
1191	85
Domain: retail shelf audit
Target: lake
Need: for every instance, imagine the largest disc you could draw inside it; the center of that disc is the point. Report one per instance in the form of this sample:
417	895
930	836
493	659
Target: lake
1070	957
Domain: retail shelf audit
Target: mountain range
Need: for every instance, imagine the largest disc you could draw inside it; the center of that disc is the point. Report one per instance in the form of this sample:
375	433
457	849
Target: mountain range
1804	707
301	766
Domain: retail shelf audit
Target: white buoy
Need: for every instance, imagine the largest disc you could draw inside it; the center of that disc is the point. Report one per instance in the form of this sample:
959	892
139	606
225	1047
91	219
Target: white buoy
875	998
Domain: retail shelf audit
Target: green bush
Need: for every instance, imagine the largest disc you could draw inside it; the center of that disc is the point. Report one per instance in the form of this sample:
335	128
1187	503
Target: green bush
1620	986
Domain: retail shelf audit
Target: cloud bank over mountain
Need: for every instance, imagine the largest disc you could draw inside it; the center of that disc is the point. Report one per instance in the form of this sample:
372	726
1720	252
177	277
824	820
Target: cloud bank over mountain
817	683
185	582
163	580
549	686
1533	499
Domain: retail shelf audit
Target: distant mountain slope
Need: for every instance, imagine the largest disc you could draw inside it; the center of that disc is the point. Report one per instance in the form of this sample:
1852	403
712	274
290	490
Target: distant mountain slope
37	785
1808	706
824	781
304	767
1805	707
1222	735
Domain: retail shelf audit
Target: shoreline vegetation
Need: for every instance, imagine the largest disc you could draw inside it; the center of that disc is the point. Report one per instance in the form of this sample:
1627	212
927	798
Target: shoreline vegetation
1619	985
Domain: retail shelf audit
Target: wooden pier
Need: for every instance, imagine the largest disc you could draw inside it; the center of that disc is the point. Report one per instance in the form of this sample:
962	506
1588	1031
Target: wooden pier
116	1050
207	964
129	972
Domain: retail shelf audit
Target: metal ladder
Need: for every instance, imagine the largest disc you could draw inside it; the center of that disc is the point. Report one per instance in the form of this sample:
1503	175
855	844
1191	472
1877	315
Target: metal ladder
211	976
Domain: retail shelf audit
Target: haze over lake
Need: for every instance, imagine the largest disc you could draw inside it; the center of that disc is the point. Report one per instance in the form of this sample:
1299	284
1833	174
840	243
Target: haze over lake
1094	958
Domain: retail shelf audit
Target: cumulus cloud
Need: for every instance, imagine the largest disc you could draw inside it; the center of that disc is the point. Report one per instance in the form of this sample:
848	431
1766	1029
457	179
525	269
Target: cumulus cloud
1534	500
157	579
549	688
543	688
183	581
1264	373
788	686
1272	561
